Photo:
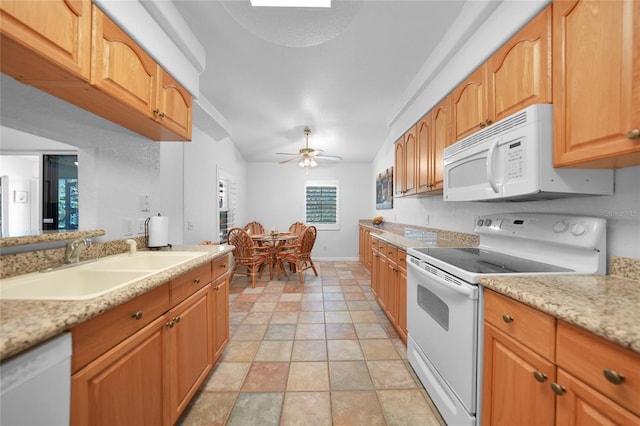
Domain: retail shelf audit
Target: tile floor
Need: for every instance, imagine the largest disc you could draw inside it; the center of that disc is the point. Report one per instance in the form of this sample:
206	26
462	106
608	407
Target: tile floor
321	353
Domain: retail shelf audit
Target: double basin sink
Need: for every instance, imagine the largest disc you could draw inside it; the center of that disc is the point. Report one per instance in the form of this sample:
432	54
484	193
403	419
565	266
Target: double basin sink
93	279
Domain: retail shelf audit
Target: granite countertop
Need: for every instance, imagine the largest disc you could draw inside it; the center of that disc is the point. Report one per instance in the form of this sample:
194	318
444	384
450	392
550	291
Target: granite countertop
419	237
605	305
25	323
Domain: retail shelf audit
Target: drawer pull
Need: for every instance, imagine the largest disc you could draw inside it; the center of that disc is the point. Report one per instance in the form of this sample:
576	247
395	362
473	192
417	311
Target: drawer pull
171	323
541	377
176	319
224	265
196	281
613	376
633	134
557	389
137	315
216	288
507	318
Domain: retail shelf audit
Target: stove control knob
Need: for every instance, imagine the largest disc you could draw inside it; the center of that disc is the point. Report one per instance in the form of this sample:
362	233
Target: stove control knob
487	222
480	222
559	227
578	229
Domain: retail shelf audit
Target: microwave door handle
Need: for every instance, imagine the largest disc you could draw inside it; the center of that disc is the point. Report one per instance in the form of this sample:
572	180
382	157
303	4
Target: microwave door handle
490	161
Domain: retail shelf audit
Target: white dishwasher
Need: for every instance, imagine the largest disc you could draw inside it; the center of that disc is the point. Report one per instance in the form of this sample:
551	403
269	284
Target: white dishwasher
36	385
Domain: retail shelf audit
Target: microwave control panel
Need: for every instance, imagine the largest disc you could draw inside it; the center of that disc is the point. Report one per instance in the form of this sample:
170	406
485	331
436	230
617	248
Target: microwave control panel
515	160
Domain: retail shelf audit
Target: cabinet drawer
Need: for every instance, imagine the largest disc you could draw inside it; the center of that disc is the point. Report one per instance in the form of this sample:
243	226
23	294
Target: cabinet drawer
533	328
94	337
402	259
375	243
588	356
391	252
219	266
187	284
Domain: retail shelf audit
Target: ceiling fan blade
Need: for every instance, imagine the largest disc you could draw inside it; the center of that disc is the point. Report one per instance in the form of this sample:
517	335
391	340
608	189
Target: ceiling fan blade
290	159
328	157
287	153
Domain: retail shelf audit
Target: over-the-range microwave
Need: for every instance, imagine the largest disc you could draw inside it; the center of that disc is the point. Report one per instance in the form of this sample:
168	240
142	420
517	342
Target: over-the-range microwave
513	160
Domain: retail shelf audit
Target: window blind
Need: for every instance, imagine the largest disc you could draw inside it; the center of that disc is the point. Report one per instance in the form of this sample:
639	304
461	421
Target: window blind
321	204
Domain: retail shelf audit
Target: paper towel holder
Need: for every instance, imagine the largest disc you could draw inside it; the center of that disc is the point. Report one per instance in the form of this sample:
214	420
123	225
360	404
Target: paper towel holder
146	236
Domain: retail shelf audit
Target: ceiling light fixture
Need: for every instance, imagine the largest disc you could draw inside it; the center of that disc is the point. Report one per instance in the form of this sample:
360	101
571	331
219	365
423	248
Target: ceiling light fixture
291	3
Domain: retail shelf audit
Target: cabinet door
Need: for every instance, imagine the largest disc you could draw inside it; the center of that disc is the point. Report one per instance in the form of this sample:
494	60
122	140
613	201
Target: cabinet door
580	404
121	68
520	71
375	273
220	314
511	394
442	138
399	178
174	107
410	152
190	348
596	83
471	104
383	283
125	385
391	292
424	155
46	40
402	303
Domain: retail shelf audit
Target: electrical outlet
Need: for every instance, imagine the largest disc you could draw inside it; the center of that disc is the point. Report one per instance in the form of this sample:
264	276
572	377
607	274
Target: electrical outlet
189	226
426	221
127	223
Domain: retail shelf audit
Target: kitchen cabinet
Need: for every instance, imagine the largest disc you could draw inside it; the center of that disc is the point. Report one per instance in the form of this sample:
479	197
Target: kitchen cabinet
520	71
596	83
471	105
34	50
426	155
537	370
87	60
405	164
365	247
143	361
389	283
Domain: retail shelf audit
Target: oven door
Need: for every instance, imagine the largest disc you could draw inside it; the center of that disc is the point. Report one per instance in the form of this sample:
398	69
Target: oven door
443	323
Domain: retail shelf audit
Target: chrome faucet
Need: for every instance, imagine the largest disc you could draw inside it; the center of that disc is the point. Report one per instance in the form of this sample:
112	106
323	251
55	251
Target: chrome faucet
73	249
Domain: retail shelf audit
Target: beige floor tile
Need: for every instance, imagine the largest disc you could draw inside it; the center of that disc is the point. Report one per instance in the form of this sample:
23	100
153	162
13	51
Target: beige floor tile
249	332
280	332
391	375
364	316
312	297
406	407
338	305
311	318
308	376
209	408
379	349
311	306
227	376
263	408
359	305
264	307
240	351
274	350
306	408
349	375
340	331
257	318
337	317
288	306
310	332
285	318
309	350
333	296
350	408
343	350
370	331
291	297
266	377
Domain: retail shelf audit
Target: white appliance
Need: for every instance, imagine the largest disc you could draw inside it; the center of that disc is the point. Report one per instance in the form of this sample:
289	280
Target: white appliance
513	160
445	303
36	385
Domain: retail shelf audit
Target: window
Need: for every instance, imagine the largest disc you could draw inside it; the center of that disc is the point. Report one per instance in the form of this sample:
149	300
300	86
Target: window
321	204
226	204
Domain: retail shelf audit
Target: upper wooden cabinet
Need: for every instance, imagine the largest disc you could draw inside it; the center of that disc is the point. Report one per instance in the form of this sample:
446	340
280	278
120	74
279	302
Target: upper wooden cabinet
405	164
596	83
87	60
424	162
48	41
471	105
520	71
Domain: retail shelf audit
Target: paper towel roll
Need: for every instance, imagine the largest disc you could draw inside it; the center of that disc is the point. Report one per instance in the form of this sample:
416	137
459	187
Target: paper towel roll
158	231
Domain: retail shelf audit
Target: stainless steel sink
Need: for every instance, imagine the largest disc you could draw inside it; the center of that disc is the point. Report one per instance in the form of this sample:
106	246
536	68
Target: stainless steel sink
94	279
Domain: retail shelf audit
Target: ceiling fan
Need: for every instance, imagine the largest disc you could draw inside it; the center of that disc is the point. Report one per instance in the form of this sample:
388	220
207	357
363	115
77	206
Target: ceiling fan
306	157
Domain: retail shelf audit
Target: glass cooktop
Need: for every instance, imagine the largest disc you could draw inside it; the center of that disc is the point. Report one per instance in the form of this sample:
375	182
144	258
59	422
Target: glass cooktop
481	261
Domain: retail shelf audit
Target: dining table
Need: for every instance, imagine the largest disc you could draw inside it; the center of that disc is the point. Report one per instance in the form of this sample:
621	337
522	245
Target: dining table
275	242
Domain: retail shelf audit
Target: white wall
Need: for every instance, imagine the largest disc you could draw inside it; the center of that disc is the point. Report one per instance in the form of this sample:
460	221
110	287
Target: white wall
622	210
276	197
21	170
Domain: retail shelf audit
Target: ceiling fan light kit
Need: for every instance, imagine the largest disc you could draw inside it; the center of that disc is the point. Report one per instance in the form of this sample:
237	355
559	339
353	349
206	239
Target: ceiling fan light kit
306	156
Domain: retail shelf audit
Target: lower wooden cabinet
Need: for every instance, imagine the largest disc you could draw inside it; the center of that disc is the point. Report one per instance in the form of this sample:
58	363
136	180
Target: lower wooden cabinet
574	378
364	245
148	376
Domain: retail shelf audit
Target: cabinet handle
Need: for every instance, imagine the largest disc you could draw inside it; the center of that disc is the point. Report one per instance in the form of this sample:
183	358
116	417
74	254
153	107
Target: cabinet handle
137	315
613	376
633	134
557	389
196	281
507	318
224	265
176	319
541	377
157	113
171	323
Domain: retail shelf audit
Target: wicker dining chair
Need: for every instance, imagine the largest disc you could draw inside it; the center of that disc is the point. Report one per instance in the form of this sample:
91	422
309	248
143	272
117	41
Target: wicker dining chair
249	256
254	228
297	228
298	254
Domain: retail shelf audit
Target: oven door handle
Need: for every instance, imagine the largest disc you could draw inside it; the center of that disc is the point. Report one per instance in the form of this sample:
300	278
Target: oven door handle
468	290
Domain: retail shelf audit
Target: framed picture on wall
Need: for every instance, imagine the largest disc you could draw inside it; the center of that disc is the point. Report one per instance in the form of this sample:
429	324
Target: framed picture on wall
384	189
